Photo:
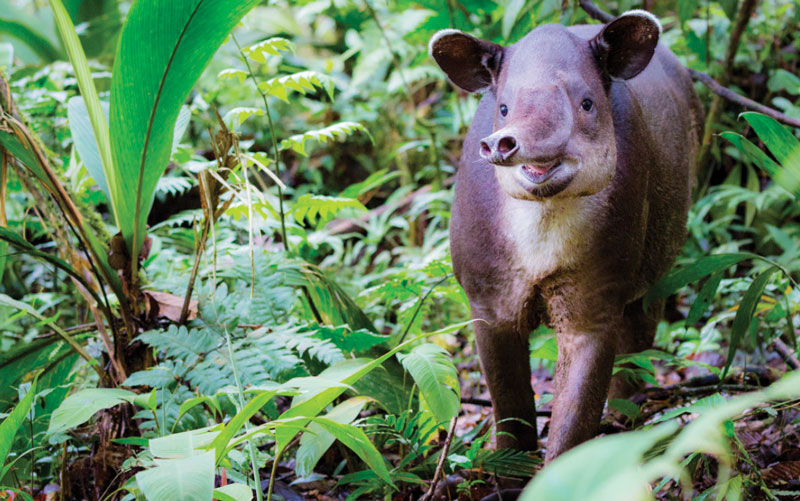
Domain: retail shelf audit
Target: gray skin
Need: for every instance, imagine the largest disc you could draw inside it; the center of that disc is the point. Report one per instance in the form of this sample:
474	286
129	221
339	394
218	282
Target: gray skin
566	216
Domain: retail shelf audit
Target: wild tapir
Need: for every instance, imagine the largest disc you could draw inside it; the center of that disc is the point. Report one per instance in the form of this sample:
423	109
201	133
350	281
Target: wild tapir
571	200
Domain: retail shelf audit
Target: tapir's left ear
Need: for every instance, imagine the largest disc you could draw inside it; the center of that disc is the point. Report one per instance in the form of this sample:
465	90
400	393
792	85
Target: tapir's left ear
626	44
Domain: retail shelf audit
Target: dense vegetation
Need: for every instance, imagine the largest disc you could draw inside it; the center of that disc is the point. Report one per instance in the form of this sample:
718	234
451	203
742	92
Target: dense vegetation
284	312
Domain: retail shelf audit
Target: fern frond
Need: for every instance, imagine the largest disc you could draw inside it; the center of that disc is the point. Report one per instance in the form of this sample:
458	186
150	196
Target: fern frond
181	344
409	76
231	73
312	206
179	219
507	462
304	82
331	133
239	115
172	185
270	47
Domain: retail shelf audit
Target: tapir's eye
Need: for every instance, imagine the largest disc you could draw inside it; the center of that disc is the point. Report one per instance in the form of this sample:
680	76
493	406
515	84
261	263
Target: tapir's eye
587	104
503	109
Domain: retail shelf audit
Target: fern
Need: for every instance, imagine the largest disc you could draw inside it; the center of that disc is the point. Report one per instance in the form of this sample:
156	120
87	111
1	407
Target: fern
304	82
312	206
172	185
340	130
507	462
308	344
180	343
270	47
186	217
411	75
348	340
239	115
231	73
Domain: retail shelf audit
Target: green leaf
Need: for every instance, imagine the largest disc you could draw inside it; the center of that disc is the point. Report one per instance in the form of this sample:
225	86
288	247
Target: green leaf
745	313
626	407
357	441
231	73
328	134
188	479
511	13
239	115
436	377
270	47
79	407
704	298
233	492
233	426
692	272
10	425
304	82
185	444
29	30
80	127
783	145
313	206
163	49
317	439
83	75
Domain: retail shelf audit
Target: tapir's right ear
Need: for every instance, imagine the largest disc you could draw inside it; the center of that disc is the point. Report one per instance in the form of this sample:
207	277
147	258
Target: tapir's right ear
471	63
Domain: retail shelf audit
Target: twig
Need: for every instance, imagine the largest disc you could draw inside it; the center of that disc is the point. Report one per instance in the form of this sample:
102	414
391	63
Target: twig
488	403
442	459
786	354
716	87
595	12
732	96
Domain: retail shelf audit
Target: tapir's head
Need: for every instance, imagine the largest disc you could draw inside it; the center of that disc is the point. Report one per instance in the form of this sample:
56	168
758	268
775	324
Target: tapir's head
553	128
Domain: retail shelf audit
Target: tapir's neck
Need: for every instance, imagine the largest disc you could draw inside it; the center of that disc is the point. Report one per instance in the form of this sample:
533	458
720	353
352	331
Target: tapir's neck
551	235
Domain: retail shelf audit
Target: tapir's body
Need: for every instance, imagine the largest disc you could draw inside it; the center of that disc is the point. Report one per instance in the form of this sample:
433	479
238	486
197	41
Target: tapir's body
576	253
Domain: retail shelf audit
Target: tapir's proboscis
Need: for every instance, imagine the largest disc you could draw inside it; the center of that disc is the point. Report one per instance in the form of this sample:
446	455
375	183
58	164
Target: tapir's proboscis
571	201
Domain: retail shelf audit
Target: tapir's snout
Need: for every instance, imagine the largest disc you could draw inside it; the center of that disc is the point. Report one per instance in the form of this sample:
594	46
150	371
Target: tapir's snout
499	148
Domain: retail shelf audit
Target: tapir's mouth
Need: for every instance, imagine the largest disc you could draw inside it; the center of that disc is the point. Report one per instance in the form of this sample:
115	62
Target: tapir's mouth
539	173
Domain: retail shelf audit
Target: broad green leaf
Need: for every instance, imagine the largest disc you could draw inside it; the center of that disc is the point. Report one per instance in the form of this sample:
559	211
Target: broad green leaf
692	272
704	298
317	439
183	445
270	47
22	152
79	407
163	49
436	378
10	424
233	492
626	407
745	313
577	474
6	55
511	13
194	402
188	479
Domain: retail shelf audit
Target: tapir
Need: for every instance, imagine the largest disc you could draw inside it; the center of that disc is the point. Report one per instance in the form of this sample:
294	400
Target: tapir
571	201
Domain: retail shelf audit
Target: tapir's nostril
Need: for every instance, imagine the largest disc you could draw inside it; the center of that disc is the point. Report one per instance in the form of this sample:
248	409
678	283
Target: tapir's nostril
486	150
506	145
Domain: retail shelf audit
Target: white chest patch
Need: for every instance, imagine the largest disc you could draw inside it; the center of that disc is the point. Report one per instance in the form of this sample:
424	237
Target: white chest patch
551	235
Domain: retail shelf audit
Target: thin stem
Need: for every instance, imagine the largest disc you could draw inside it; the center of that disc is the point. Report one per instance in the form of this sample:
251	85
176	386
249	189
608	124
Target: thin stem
273	472
275	153
253	463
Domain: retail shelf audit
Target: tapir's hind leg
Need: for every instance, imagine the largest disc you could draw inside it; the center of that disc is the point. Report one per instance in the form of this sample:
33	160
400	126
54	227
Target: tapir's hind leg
637	334
505	361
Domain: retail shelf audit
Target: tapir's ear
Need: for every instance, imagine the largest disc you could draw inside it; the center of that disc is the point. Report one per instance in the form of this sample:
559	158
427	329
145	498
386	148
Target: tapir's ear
626	44
471	63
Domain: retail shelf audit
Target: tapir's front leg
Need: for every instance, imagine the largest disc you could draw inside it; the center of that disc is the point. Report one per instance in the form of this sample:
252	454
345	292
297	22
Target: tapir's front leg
505	361
583	373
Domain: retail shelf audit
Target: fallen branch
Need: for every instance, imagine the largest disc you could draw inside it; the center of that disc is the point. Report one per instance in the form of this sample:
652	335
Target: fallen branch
786	354
440	467
720	90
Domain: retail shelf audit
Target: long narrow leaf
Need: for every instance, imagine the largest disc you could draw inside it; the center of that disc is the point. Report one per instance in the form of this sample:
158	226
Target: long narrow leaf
86	85
10	425
745	313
